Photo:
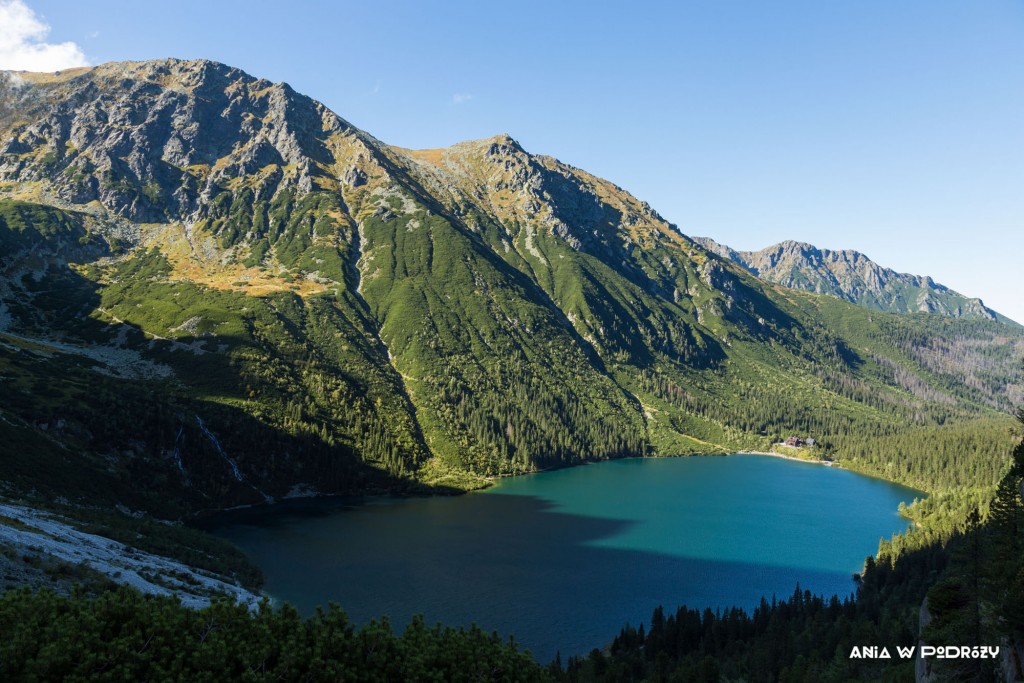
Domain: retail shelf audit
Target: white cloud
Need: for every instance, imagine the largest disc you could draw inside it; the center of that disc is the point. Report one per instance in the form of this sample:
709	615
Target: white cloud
461	98
22	42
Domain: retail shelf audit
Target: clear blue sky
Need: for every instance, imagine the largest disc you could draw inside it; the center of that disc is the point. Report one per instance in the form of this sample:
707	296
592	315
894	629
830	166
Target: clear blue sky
894	128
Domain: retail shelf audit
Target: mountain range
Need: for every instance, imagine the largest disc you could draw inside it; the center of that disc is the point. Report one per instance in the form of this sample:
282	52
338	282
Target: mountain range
852	276
216	291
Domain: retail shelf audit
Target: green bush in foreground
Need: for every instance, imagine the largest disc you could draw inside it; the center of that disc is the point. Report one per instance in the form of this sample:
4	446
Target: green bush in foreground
124	635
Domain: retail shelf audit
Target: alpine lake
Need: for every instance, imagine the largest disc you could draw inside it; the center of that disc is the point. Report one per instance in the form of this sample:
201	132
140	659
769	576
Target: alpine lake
563	560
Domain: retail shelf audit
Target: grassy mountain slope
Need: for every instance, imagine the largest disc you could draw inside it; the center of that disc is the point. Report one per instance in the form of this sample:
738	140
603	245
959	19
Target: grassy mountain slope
273	301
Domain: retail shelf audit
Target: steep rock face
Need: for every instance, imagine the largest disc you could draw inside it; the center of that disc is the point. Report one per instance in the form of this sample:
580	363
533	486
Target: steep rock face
852	276
336	314
154	140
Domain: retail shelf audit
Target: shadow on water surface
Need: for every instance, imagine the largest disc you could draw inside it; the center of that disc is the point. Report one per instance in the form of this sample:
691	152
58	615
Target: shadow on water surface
511	563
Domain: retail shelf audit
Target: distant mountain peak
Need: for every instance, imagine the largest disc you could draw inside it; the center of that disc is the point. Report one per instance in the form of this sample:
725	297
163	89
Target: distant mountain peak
850	275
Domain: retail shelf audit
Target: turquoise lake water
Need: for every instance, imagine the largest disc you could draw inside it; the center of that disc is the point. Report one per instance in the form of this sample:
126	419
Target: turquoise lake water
564	559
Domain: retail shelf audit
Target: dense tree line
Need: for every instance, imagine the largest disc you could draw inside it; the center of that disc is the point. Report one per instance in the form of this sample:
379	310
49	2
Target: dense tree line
951	457
123	635
521	422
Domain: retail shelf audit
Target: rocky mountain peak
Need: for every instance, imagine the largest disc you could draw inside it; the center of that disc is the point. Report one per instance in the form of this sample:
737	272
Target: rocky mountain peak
851	275
503	145
155	140
536	192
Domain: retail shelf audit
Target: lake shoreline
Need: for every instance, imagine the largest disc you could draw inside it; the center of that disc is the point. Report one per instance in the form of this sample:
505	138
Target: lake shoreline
826	463
425	491
837	465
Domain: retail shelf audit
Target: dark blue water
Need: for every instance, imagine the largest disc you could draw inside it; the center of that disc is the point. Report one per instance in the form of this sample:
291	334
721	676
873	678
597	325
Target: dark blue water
564	559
